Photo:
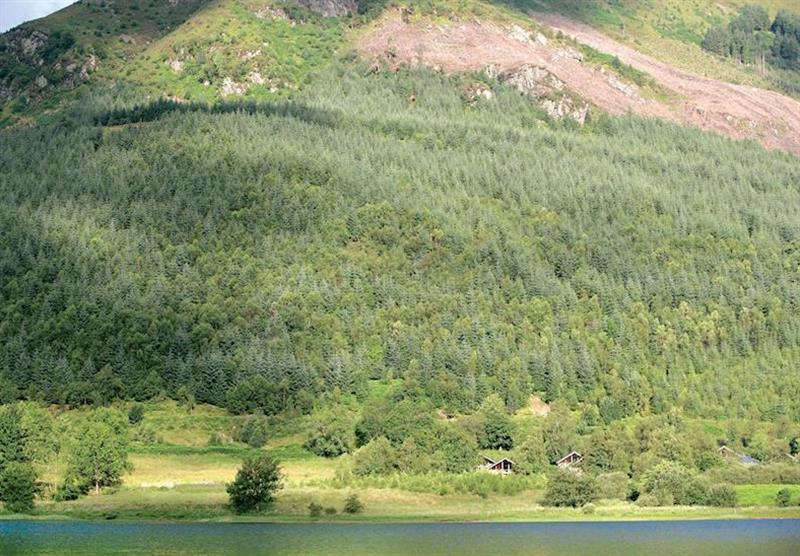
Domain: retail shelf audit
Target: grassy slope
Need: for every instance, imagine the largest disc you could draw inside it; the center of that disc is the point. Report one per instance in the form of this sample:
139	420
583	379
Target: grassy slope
267	48
187	51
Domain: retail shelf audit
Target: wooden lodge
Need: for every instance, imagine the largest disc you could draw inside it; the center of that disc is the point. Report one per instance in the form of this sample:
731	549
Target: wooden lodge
731	455
503	466
572	459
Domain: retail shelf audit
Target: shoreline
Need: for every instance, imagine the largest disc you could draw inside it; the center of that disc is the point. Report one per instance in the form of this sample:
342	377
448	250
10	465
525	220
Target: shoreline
569	516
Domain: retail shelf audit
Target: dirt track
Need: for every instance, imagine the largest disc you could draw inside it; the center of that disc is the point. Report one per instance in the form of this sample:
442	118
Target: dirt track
735	110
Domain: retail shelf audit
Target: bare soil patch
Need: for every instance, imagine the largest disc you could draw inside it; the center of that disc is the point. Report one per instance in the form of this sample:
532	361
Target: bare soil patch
735	110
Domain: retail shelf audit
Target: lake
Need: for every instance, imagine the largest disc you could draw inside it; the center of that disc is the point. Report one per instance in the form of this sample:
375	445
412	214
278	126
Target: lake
665	538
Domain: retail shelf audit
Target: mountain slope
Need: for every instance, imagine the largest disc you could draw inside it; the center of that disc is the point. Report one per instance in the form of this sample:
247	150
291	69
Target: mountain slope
357	233
293	220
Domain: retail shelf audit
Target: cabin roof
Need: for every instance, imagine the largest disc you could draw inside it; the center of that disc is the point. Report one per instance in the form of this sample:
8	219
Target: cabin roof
496	461
569	455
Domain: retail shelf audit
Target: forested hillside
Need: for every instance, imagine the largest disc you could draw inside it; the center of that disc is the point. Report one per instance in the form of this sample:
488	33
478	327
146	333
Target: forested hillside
389	225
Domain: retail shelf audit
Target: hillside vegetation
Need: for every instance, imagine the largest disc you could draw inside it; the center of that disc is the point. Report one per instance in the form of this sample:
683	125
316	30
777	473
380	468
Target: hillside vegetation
344	251
260	255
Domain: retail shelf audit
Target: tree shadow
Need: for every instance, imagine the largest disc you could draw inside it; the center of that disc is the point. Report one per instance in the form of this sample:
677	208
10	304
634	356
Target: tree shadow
155	110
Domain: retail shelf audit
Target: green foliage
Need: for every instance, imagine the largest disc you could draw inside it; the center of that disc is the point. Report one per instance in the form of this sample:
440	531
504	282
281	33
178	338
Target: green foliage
378	457
559	433
722	495
672	483
783	498
254	432
330	432
255	484
353	505
18	487
749	38
567	488
394	420
466	251
478	483
530	455
613	485
13	437
314	510
499	429
98	454
136	414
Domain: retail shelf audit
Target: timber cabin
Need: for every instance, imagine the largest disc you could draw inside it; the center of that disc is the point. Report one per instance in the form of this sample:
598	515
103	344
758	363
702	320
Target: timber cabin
729	455
572	459
503	466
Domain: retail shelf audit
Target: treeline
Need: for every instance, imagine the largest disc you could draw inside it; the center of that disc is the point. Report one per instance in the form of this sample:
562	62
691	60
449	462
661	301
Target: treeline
750	38
94	447
399	441
255	260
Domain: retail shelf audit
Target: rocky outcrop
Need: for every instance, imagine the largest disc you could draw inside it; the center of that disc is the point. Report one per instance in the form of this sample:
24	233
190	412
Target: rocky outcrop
24	42
232	88
547	89
331	8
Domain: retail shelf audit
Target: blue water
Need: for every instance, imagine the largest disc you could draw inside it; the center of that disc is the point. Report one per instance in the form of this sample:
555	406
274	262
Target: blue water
684	538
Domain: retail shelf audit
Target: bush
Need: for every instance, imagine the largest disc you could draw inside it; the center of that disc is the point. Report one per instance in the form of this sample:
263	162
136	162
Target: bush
376	458
136	414
18	487
588	509
566	488
613	485
314	510
255	485
330	511
71	489
331	433
647	500
672	483
722	495
353	505
783	498
254	432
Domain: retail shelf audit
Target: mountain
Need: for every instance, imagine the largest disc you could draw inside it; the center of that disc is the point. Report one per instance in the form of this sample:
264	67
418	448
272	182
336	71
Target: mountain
263	202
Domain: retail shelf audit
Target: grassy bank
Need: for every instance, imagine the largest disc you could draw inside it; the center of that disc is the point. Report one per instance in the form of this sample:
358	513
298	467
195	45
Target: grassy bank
208	503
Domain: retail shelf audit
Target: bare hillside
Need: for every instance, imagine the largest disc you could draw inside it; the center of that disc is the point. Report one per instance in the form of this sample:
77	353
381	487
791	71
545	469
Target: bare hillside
737	111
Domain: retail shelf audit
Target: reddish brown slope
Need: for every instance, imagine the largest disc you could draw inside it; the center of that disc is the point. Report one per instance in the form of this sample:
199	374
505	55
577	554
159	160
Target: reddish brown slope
737	111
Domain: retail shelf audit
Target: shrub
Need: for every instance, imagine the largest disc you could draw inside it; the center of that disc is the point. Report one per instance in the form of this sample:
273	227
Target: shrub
18	487
254	432
314	510
330	511
331	433
136	414
255	485
647	500
588	509
722	495
352	505
376	458
672	481
783	497
613	485
566	488
71	489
